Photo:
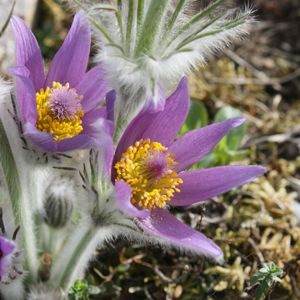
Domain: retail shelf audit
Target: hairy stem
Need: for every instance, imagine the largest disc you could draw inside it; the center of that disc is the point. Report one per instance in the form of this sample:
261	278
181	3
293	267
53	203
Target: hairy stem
130	105
227	26
178	9
151	26
129	30
20	200
198	17
140	18
72	261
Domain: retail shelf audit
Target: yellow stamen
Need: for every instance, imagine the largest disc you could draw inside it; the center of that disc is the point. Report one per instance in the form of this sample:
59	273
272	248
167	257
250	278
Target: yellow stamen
149	170
59	127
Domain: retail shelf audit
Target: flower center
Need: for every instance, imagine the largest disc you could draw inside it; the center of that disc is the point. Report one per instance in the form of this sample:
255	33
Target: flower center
149	170
59	111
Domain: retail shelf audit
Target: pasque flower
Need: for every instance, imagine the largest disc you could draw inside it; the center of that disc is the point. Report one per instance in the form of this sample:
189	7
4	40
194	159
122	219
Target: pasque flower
7	248
149	171
60	111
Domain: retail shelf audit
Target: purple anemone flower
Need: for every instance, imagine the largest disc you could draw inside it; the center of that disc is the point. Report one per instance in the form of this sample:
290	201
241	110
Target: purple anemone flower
60	111
149	172
7	248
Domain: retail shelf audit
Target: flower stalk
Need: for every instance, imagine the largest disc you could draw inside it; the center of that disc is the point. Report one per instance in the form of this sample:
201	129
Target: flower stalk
152	25
79	248
20	201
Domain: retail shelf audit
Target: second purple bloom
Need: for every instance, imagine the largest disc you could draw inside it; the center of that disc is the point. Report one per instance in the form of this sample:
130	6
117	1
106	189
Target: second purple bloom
60	111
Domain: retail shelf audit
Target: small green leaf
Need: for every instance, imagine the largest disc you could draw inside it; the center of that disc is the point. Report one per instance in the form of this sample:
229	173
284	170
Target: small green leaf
265	277
261	290
81	290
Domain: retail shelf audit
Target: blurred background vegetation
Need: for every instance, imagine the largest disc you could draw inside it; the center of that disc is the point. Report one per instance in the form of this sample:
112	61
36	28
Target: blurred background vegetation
257	225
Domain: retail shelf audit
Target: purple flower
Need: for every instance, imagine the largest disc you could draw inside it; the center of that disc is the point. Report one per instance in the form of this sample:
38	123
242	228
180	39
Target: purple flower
60	111
149	172
7	248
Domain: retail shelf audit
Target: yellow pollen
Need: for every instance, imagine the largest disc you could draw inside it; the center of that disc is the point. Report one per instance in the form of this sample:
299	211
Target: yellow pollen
60	126
149	170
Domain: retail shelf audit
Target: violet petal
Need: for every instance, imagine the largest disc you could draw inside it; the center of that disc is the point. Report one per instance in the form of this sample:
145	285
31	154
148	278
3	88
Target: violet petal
110	105
94	115
94	135
70	62
159	126
165	125
42	140
93	87
7	246
25	92
81	141
194	145
171	231
101	132
206	183
28	53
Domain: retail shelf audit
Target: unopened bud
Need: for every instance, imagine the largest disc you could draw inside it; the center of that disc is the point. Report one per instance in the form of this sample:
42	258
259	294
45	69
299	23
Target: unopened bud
58	204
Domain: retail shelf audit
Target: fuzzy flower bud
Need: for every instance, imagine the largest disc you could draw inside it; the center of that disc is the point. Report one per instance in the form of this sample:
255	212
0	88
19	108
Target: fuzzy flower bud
147	44
59	202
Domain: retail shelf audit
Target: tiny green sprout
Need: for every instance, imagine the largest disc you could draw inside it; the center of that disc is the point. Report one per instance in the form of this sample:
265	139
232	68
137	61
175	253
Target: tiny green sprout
81	290
265	278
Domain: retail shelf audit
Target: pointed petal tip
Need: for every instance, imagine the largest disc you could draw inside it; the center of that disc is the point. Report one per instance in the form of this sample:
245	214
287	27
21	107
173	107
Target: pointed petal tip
81	19
15	19
215	252
183	82
220	259
70	61
218	180
79	14
28	52
184	79
168	230
258	170
238	121
254	169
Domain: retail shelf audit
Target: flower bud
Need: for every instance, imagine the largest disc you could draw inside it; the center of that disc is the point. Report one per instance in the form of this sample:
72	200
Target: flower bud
58	203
